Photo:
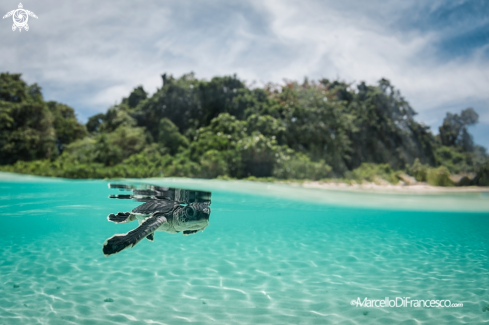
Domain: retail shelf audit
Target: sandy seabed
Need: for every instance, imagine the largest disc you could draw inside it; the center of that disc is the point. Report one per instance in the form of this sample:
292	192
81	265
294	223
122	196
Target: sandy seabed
262	260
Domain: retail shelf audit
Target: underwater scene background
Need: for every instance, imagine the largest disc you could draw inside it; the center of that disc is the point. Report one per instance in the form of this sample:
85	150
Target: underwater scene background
272	254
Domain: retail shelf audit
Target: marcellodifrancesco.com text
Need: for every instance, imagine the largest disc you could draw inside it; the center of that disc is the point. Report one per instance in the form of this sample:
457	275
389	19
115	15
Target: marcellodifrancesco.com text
404	302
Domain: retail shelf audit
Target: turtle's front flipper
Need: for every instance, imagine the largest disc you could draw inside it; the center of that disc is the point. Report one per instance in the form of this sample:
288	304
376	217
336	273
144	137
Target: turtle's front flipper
121	217
117	243
122	187
121	196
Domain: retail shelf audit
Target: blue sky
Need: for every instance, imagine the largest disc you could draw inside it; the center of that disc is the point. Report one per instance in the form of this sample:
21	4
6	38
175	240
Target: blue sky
89	54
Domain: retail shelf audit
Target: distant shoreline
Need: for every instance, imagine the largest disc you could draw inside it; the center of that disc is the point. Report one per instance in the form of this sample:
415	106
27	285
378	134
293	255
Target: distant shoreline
420	187
337	193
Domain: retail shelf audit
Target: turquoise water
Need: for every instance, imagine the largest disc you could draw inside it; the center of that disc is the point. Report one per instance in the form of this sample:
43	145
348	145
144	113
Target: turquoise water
271	255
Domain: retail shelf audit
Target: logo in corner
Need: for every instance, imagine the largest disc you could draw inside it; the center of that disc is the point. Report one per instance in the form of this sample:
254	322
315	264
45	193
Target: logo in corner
20	17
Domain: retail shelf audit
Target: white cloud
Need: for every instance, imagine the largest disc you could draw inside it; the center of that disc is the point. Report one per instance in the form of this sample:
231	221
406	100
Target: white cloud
355	48
90	54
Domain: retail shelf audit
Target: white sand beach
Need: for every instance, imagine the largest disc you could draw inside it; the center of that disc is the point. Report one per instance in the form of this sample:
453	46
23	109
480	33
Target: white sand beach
419	187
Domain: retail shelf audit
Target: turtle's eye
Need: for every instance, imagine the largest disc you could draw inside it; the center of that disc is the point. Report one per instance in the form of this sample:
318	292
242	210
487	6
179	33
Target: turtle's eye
189	212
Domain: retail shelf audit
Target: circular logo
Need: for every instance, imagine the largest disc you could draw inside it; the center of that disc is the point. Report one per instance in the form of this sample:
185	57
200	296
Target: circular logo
20	18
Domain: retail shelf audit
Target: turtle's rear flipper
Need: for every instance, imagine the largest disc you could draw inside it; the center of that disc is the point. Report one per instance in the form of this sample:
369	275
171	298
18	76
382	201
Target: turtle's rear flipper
121	217
117	243
150	237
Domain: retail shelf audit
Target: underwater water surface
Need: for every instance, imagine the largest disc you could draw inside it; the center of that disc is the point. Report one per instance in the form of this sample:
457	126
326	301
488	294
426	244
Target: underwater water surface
270	255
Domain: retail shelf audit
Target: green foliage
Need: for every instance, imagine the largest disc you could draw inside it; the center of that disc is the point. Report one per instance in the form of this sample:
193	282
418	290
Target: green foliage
454	159
109	149
213	164
83	151
438	176
114	118
14	90
454	132
170	137
137	96
94	123
65	124
26	132
374	173
178	100
151	162
182	166
418	170
258	155
299	166
316	123
113	147
483	175
222	135
31	128
221	95
266	125
221	128
387	132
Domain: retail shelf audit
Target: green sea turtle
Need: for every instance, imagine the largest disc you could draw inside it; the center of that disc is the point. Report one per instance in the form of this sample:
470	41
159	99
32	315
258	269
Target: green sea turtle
20	17
162	212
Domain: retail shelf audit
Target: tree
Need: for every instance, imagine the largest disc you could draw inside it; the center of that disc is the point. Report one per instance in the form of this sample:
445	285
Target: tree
137	96
15	90
386	131
26	132
170	137
26	123
200	128
94	122
453	131
66	126
178	100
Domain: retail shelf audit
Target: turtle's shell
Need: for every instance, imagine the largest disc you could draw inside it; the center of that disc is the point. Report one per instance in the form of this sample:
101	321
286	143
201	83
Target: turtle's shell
160	206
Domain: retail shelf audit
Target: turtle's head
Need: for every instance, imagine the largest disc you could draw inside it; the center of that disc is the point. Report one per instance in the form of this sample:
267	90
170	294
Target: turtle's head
192	218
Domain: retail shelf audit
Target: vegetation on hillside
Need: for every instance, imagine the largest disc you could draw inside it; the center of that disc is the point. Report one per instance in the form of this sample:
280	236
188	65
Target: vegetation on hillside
222	128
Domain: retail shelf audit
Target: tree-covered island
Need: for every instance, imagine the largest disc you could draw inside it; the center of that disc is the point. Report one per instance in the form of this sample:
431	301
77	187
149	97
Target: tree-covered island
222	128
